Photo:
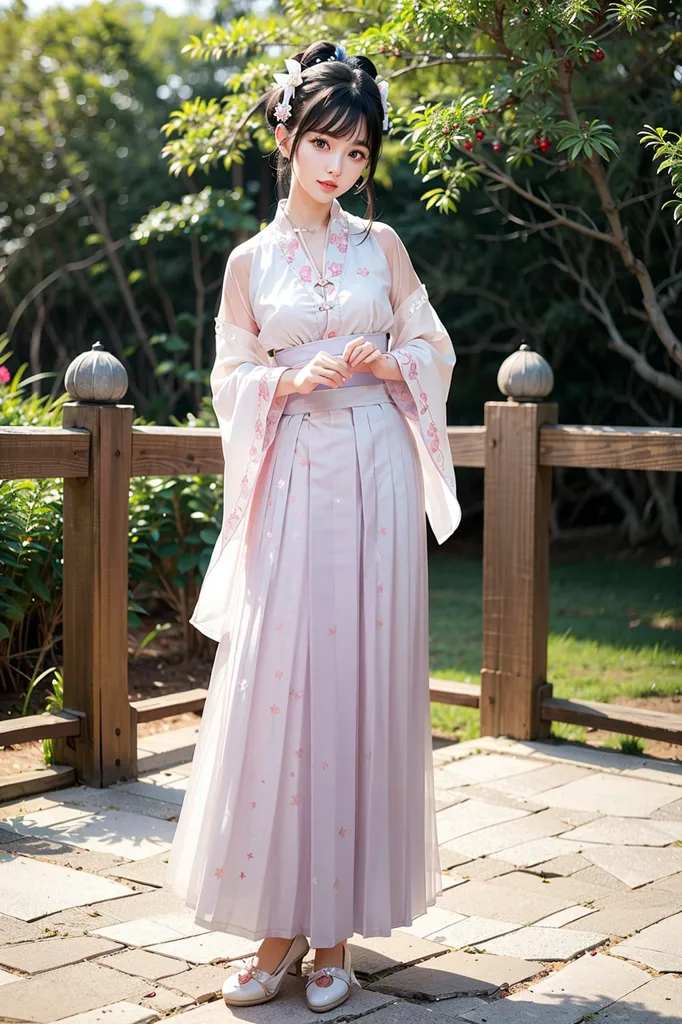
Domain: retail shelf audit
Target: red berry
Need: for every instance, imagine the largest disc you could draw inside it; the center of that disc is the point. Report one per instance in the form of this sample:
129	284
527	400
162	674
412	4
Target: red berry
468	145
446	131
396	53
536	140
598	54
544	145
381	48
526	12
490	124
472	120
480	136
485	111
456	126
497	146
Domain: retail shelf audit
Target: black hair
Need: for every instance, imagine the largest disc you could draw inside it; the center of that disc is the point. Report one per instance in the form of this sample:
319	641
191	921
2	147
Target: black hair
336	94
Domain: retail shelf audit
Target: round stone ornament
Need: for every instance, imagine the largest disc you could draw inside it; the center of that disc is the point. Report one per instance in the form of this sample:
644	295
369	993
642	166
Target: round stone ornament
525	376
96	376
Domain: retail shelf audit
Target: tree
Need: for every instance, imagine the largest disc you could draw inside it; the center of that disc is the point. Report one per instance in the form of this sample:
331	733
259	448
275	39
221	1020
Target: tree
484	92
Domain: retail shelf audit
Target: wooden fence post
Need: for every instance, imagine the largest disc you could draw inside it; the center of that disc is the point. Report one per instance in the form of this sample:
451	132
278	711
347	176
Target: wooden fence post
96	574
516	551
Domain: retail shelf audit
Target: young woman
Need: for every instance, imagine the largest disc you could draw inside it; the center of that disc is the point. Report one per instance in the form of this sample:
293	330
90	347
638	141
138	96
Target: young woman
309	812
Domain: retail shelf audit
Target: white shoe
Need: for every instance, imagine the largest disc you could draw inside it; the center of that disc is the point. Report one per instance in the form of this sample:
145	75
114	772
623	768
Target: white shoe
252	985
330	986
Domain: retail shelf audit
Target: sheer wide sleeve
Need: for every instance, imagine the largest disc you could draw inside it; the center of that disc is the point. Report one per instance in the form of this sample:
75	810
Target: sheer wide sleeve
243	384
426	358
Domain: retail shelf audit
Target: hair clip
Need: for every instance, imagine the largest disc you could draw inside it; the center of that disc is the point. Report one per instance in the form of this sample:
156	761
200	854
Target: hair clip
289	81
383	90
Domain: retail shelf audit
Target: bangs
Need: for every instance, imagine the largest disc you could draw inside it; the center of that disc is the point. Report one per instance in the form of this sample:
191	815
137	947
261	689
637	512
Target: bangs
340	113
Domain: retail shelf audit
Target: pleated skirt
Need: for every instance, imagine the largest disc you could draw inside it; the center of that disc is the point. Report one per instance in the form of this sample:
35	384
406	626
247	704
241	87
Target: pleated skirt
310	806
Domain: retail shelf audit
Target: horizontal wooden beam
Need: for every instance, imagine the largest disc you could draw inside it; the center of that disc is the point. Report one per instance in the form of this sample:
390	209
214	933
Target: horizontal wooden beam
153	708
652	725
447	691
43	453
467	445
38	780
40	727
177	451
611	447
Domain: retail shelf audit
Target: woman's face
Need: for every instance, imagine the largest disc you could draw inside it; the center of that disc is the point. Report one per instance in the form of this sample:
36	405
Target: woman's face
321	158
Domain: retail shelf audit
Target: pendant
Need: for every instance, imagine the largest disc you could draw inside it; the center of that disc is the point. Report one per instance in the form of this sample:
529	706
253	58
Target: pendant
330	306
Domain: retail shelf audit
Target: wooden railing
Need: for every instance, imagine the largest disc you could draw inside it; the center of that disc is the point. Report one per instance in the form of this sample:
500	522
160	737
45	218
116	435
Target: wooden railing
98	450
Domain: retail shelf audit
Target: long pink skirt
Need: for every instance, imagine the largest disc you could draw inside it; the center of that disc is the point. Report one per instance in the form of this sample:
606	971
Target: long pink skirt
310	807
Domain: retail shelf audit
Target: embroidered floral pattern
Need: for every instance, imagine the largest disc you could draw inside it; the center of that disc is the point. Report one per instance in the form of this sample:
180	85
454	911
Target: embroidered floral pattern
219	872
307	273
334	269
266	386
411	370
363	271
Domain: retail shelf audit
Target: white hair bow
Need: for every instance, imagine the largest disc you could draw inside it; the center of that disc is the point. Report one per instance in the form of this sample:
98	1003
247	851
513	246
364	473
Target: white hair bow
289	81
383	89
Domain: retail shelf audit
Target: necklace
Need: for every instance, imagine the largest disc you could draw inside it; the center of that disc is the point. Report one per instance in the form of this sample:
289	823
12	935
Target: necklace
311	231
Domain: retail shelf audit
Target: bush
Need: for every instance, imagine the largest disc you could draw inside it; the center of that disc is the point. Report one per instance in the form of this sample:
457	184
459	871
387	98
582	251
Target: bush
174	522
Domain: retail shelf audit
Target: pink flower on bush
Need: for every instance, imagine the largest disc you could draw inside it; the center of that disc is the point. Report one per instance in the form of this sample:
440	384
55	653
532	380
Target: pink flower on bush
4	375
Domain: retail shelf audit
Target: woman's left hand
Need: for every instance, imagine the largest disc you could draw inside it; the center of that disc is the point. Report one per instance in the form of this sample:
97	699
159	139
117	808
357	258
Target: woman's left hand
364	356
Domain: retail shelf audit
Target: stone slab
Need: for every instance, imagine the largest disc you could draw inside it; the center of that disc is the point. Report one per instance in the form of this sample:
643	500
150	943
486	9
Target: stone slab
31	889
107	831
571	891
485	768
564	866
542	943
455	1009
450	858
456	974
661	962
502	837
471	931
435	919
380	953
146	931
636	865
204	948
539	780
612	794
487	795
470	816
448	881
7	978
150	871
627	832
566	996
526	855
199	983
671	812
289	1006
501	903
622	914
122	1012
116	797
595	876
81	987
664	936
402	1012
484	867
48	953
143	964
564	917
657	1002
171	792
150	903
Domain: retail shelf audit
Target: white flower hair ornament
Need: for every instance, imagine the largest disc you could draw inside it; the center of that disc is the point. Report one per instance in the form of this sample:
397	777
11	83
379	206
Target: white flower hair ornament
289	81
383	90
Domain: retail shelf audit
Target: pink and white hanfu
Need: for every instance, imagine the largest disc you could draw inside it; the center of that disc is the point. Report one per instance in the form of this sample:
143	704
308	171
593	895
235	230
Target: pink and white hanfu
310	806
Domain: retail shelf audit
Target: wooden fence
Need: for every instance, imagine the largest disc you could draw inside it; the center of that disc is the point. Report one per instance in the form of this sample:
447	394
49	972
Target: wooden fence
98	450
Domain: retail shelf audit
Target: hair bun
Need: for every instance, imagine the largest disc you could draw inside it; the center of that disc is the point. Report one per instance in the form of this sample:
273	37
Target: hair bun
325	50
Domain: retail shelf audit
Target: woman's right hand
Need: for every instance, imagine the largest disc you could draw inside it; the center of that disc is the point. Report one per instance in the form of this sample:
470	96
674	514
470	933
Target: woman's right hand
323	368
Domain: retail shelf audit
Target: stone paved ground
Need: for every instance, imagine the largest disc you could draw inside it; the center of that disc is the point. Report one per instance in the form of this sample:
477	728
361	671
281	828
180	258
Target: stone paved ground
562	901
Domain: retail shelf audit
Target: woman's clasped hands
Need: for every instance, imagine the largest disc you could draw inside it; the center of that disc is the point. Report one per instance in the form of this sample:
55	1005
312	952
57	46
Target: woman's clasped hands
333	371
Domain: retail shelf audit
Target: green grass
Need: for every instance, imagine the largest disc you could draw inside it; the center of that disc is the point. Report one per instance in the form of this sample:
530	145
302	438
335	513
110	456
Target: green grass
607	639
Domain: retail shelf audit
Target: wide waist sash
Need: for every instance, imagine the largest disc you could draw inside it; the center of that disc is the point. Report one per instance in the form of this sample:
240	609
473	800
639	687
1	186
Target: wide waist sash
362	388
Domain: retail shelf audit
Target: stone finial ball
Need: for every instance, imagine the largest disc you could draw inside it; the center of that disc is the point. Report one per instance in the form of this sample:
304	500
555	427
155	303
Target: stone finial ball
525	376
96	376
